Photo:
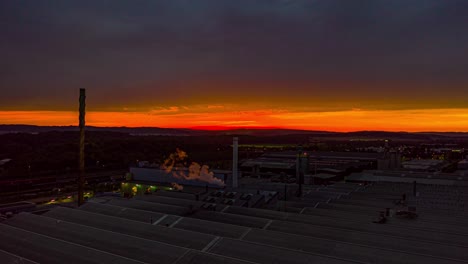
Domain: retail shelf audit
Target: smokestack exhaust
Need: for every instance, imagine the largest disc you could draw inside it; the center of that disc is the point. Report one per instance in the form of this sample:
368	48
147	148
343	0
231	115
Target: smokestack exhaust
235	154
82	145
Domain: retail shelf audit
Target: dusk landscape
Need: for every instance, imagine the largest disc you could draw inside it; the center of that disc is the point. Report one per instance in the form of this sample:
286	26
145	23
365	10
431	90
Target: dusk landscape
233	131
314	65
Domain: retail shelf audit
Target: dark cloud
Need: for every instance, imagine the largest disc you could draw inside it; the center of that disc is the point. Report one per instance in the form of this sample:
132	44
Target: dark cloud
127	51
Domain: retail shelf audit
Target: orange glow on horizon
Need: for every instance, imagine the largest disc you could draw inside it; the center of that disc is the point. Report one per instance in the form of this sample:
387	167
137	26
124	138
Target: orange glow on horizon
219	128
437	120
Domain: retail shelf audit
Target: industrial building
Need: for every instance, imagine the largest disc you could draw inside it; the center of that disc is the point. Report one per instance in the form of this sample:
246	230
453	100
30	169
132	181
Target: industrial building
332	224
459	178
158	175
286	161
4	166
318	167
463	164
423	165
248	220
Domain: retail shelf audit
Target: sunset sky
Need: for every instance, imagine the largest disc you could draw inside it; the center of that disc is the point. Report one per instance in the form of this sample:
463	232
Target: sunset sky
338	65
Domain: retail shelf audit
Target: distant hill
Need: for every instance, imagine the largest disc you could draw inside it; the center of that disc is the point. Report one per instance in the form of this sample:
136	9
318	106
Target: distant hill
157	131
142	131
128	130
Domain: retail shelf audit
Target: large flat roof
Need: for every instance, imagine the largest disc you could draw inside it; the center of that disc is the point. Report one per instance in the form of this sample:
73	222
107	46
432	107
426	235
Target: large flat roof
46	249
162	229
131	247
327	154
177	237
12	258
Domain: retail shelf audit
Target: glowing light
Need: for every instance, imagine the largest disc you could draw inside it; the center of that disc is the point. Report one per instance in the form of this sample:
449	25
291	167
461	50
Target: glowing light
349	120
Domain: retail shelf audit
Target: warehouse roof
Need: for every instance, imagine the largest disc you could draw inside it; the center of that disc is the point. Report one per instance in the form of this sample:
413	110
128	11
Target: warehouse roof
46	249
11	258
161	229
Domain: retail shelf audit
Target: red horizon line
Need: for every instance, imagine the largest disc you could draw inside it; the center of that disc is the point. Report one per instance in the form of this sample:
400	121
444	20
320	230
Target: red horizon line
215	128
226	128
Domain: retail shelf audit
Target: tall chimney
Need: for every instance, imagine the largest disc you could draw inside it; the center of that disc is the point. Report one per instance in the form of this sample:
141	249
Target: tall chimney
82	145
298	173
235	153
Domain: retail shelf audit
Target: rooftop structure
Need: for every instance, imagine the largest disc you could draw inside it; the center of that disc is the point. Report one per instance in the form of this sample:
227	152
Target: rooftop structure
423	165
158	175
463	164
317	162
328	224
4	161
439	178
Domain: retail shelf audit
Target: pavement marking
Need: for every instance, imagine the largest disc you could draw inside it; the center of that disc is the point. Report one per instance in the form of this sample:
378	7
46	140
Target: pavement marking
302	211
317	204
211	244
160	219
175	222
224	209
268	224
245	233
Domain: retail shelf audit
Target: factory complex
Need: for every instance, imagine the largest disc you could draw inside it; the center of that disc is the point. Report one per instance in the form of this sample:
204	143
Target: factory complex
278	208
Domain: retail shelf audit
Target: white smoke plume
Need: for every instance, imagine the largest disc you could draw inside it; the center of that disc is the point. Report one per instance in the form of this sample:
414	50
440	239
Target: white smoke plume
176	163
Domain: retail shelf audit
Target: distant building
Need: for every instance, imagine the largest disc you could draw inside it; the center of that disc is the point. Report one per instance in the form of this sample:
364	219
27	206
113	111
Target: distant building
438	178
143	164
4	166
312	163
3	162
428	165
391	160
157	175
463	165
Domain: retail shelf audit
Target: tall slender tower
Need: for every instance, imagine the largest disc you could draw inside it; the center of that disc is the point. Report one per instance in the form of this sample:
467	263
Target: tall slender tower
235	156
82	145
